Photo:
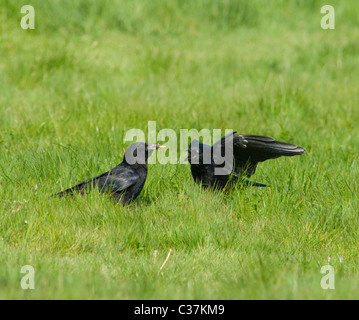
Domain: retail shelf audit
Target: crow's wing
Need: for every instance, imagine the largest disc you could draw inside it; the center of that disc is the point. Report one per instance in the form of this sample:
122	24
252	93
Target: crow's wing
222	154
248	150
116	180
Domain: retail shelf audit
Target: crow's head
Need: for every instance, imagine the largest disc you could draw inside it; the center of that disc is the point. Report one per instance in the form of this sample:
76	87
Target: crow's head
139	152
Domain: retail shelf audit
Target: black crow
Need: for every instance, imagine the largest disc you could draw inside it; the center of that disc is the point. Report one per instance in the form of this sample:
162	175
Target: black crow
235	157
125	181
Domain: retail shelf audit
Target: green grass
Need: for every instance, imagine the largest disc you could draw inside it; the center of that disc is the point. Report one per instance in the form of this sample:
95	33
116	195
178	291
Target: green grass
91	70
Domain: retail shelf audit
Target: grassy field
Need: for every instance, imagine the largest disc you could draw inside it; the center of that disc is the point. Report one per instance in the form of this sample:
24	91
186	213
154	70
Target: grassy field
91	70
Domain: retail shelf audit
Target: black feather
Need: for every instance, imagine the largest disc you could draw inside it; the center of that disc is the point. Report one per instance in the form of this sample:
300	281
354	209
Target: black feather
125	181
246	151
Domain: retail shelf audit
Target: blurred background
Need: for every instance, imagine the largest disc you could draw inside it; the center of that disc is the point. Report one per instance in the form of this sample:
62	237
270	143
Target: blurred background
254	66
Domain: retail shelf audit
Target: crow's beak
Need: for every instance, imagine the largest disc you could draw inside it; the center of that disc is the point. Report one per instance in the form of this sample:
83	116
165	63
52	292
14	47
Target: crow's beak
154	146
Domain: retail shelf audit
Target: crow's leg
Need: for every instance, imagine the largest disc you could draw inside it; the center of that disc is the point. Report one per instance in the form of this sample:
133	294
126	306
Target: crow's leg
254	184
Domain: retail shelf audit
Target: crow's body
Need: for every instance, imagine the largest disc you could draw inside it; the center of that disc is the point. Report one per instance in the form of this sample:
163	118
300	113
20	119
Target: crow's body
246	151
125	181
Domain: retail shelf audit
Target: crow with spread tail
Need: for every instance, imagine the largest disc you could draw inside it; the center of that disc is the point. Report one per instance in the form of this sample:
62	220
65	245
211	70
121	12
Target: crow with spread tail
125	181
213	167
